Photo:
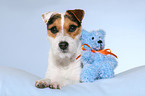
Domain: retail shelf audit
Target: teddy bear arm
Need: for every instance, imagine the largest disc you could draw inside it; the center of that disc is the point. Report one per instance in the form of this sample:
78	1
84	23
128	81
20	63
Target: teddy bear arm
113	62
87	57
88	73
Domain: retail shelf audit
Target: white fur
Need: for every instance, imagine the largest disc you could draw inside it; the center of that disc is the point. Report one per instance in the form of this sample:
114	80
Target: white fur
47	15
63	68
62	21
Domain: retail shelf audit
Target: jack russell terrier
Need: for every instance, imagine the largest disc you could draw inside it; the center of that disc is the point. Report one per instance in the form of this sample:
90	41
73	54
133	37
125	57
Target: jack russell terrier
64	31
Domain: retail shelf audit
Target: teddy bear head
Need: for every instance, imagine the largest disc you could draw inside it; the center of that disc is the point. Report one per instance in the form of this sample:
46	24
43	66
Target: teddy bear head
95	39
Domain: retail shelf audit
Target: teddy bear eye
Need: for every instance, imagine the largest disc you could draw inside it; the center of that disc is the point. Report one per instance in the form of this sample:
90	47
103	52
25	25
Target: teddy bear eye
92	38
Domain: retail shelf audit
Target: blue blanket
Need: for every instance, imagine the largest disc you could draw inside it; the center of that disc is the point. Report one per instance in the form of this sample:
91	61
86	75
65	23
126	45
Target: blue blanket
15	82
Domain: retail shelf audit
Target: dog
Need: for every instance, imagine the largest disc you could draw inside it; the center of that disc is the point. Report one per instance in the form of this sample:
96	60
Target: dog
64	32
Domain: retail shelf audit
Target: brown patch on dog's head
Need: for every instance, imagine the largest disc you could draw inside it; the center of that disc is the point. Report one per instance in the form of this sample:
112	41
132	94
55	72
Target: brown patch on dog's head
72	22
77	15
54	28
54	25
53	21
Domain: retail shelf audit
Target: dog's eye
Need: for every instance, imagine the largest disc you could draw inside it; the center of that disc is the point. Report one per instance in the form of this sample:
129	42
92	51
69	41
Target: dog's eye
53	30
92	38
72	28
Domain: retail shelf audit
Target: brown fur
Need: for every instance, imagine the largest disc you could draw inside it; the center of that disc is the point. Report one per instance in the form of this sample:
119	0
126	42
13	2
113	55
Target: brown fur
71	17
77	13
67	23
56	23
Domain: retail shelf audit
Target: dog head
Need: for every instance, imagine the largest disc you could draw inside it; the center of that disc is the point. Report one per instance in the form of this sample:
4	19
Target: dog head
94	39
64	31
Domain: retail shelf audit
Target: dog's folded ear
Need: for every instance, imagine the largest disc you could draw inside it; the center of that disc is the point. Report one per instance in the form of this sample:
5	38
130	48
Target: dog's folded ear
46	16
77	13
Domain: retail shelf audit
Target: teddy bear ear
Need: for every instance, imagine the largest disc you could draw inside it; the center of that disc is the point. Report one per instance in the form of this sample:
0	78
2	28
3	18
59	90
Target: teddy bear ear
102	32
84	34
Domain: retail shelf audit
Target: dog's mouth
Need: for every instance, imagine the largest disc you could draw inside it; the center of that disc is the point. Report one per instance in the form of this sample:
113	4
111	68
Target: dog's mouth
64	51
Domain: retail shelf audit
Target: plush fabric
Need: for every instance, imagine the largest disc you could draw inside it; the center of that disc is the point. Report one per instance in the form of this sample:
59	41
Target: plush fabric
96	65
15	82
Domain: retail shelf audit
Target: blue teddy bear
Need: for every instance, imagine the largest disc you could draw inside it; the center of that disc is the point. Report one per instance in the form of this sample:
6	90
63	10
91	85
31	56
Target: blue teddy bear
96	65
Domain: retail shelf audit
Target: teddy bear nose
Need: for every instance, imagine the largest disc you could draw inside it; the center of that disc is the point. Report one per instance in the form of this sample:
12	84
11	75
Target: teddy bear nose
63	45
100	41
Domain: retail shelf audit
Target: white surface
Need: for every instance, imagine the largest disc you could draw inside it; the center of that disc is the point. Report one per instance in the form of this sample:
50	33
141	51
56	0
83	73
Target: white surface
15	82
23	35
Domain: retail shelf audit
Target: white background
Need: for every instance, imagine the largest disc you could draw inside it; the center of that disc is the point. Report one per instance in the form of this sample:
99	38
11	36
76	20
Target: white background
23	37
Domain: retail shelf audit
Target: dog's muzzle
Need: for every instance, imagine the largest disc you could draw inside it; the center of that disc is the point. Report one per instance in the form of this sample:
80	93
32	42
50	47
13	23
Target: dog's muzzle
63	45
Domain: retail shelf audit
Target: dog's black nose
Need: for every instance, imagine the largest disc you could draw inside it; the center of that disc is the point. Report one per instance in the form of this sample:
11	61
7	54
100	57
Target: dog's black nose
63	45
100	41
